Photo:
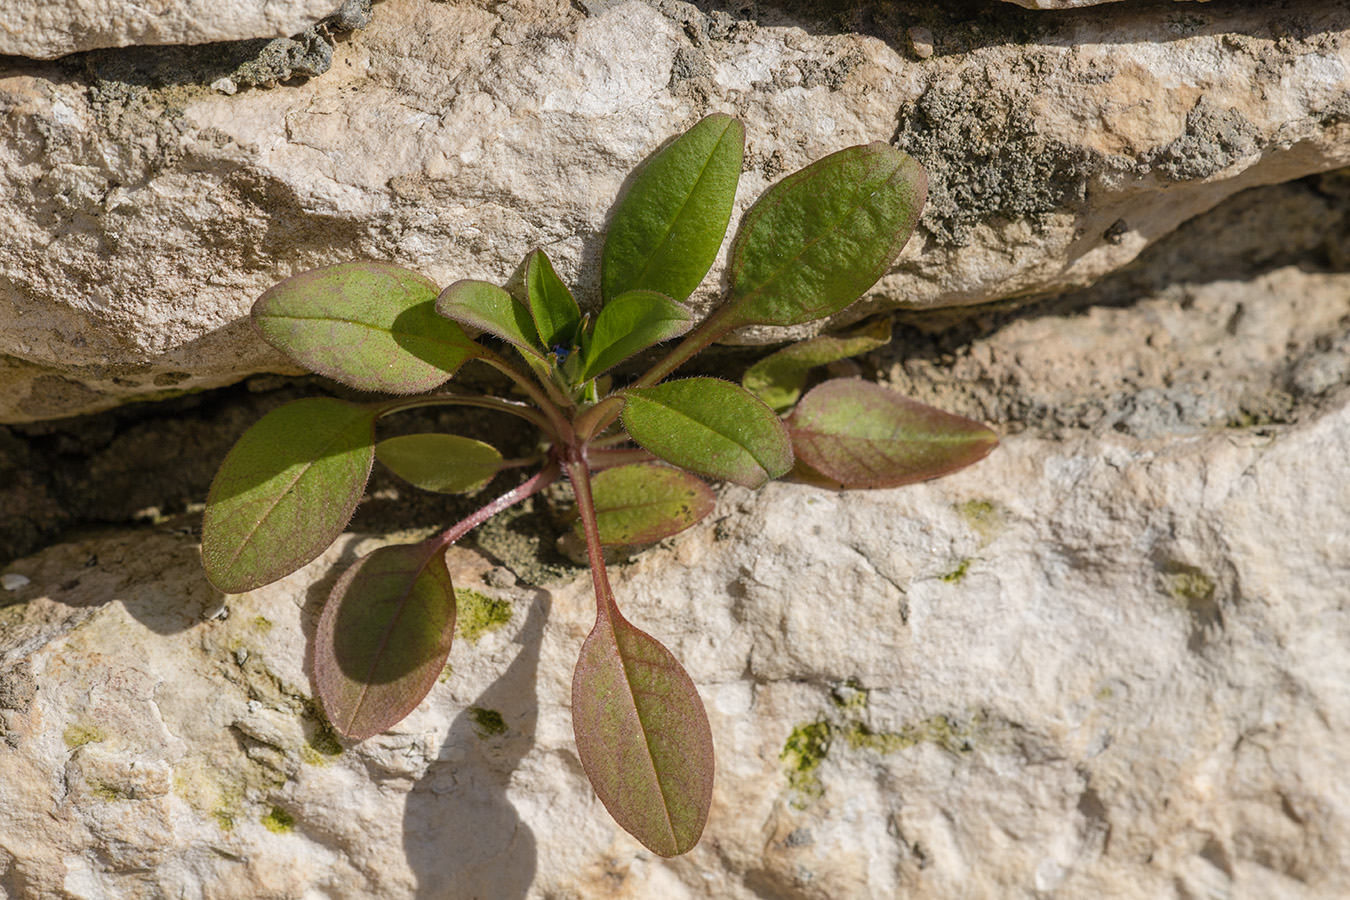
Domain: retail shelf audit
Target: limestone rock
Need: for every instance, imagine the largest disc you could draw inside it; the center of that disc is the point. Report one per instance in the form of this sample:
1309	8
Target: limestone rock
1108	661
145	209
1218	326
1101	666
46	29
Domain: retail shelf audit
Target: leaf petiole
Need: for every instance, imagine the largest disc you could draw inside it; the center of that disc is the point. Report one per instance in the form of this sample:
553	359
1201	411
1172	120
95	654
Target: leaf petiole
706	332
526	489
449	398
579	474
608	459
595	420
559	428
609	440
521	462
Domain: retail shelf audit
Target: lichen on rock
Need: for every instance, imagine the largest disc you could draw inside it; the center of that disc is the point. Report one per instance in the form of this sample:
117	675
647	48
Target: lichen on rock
987	156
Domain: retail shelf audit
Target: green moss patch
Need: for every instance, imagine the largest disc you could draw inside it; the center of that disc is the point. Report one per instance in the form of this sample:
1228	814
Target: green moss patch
224	794
1197	592
803	752
109	792
849	695
958	573
477	614
940	730
1188	585
487	722
321	741
808	745
278	821
982	516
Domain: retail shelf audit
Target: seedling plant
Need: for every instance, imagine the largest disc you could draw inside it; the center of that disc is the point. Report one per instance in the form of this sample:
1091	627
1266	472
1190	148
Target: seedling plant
636	453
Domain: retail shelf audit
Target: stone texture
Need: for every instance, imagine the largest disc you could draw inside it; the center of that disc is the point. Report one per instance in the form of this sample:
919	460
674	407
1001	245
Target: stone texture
1107	662
1216	326
46	29
1098	667
1147	350
146	209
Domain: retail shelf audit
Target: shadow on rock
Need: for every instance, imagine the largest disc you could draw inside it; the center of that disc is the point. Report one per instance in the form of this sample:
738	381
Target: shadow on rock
463	837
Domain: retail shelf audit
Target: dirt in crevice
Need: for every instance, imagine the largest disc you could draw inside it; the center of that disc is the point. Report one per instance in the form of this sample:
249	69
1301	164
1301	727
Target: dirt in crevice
1239	319
152	463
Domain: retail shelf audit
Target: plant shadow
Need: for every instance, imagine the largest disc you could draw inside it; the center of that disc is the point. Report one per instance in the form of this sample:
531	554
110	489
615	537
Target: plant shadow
463	838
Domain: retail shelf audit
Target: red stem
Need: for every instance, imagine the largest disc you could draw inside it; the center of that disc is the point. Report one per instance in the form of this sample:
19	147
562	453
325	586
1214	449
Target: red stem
578	471
541	479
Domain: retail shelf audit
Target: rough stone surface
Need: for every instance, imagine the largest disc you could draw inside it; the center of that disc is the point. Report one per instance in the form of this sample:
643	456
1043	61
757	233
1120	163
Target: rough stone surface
1107	662
1095	667
46	29
146	209
1217	325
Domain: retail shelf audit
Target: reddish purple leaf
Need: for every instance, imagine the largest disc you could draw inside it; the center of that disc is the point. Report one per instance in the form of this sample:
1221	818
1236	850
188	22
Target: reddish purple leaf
646	502
864	436
642	735
383	637
803	474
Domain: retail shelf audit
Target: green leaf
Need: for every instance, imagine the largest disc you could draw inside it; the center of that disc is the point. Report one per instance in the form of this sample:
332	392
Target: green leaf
555	312
383	637
642	736
368	325
814	242
710	427
668	228
778	379
630	323
285	491
489	308
444	463
862	435
646	502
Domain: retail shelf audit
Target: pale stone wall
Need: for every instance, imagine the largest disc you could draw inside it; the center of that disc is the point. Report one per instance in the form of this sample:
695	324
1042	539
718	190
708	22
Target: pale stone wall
1112	660
144	209
47	29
